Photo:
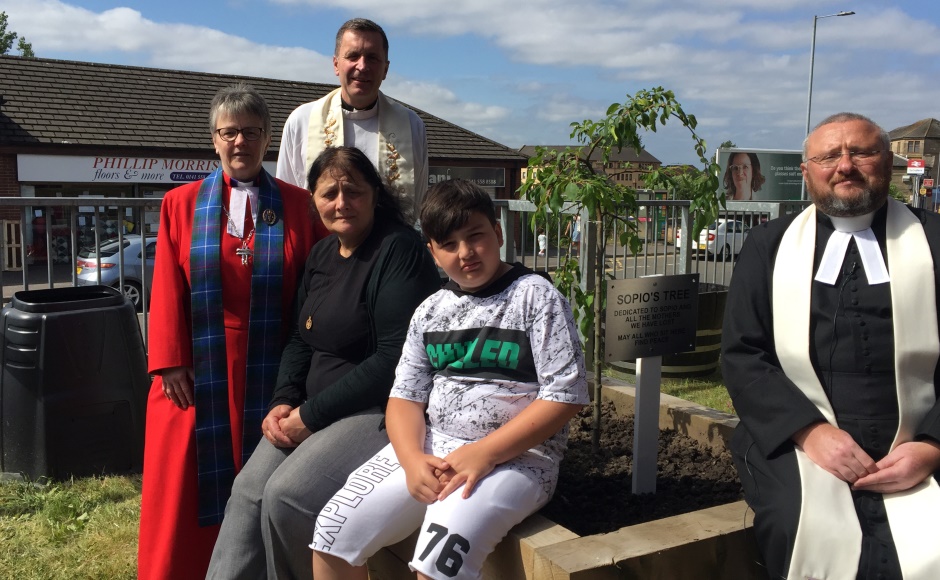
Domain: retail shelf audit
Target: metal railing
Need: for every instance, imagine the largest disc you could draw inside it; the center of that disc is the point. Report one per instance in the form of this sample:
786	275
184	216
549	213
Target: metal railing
56	229
659	224
87	222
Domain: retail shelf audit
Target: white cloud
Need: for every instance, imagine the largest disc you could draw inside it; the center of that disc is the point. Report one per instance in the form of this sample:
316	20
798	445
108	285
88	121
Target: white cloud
740	65
58	26
444	103
53	26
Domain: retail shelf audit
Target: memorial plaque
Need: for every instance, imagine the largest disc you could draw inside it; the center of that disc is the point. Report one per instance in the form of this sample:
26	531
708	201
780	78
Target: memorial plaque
651	316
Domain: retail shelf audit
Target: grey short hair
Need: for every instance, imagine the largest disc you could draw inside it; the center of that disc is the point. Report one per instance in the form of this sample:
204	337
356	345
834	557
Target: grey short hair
240	99
845	118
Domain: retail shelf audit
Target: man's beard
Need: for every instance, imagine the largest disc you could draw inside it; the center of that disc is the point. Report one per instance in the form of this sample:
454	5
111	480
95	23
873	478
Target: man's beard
867	201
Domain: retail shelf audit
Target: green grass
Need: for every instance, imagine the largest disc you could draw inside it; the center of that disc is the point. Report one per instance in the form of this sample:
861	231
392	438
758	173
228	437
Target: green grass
83	528
708	391
705	391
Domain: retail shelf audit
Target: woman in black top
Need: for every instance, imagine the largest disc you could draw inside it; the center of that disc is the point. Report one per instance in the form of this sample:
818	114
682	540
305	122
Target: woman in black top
359	289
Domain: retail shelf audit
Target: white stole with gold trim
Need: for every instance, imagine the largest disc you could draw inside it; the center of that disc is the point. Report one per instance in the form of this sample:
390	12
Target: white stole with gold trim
828	539
396	154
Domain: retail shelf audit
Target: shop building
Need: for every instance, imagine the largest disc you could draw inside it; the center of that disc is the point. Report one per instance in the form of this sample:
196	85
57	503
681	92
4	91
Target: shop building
76	129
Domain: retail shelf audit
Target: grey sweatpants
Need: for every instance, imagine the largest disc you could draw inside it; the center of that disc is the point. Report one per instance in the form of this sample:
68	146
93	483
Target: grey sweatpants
276	497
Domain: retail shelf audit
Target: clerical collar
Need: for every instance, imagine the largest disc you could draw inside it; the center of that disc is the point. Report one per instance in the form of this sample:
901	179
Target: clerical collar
852	224
846	229
244	195
347	107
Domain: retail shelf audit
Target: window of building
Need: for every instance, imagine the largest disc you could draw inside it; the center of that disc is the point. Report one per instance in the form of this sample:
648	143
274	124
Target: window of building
913	146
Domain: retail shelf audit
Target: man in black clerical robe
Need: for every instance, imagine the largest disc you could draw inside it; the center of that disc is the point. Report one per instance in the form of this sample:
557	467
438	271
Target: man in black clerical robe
830	350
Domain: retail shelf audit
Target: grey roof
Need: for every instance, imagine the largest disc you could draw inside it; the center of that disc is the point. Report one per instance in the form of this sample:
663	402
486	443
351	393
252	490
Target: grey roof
45	101
625	154
923	129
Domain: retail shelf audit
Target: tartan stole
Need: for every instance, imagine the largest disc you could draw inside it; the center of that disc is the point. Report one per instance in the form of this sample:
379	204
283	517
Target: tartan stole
216	465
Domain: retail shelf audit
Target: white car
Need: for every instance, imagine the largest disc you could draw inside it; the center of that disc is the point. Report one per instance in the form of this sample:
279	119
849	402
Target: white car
723	237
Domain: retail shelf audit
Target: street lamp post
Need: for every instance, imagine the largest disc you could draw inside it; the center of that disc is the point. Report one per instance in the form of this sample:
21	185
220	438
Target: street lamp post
809	99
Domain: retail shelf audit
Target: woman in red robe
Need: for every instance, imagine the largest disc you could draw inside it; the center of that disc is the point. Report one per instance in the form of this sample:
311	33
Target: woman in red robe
180	506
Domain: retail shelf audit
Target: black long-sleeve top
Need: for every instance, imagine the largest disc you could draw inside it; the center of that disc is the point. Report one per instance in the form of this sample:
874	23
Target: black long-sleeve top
352	316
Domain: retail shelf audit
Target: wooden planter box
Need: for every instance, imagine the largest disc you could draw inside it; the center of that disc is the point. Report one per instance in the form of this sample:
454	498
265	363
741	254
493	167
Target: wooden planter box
710	543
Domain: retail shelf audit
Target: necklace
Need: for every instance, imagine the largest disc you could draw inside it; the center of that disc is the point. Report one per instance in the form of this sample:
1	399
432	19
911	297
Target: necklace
243	252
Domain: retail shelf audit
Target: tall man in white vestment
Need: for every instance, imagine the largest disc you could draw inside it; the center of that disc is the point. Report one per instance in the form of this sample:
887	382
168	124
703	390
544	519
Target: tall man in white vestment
357	114
830	350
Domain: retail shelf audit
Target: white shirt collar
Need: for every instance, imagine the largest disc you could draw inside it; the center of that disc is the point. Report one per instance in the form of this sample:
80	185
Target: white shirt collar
847	228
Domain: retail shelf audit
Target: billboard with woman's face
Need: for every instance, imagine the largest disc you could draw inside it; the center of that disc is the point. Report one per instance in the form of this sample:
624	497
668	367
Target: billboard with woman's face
760	174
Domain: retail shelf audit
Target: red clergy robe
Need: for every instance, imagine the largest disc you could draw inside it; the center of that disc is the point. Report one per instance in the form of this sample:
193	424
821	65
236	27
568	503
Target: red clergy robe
171	542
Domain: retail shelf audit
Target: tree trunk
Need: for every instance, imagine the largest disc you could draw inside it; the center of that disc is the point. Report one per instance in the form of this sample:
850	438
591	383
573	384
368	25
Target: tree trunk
600	247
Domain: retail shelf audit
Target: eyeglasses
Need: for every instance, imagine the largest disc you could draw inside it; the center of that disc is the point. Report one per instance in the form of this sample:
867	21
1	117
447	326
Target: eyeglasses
739	168
231	133
857	157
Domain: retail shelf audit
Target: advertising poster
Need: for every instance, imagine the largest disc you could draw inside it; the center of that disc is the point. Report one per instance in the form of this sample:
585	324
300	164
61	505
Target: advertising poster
759	174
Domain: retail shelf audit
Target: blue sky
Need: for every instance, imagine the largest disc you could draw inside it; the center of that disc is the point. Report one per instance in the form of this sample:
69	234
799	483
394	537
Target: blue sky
520	72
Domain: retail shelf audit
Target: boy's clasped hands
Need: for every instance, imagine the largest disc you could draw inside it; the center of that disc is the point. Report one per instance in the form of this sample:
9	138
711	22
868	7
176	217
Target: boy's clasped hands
431	478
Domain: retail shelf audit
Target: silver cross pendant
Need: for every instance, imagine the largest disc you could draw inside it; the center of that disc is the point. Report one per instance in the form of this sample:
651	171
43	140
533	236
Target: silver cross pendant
245	253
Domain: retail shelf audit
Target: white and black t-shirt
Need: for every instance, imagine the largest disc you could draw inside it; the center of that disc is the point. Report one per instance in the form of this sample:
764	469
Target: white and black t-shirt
478	359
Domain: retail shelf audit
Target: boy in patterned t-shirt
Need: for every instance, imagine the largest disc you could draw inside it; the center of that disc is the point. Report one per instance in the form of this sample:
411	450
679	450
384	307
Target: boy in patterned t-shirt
494	362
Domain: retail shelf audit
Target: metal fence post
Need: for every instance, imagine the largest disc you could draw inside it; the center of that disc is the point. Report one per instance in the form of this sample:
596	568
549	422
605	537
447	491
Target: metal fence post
507	221
685	253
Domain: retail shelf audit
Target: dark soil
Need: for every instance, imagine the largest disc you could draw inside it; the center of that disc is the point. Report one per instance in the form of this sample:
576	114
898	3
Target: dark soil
594	491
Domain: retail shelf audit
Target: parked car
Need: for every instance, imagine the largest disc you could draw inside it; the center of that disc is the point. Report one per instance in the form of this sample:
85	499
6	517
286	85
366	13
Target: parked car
723	237
87	266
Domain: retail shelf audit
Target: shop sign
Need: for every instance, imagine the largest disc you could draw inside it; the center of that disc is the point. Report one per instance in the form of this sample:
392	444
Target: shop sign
482	176
115	169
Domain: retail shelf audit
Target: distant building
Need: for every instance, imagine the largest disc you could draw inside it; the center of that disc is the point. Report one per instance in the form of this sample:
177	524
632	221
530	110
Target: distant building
626	167
920	140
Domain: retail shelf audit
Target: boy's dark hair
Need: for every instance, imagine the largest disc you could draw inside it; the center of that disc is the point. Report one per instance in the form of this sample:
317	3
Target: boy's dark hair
448	206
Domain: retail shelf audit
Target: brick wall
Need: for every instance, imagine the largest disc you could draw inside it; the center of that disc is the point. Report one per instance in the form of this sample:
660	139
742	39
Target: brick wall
9	185
8	182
